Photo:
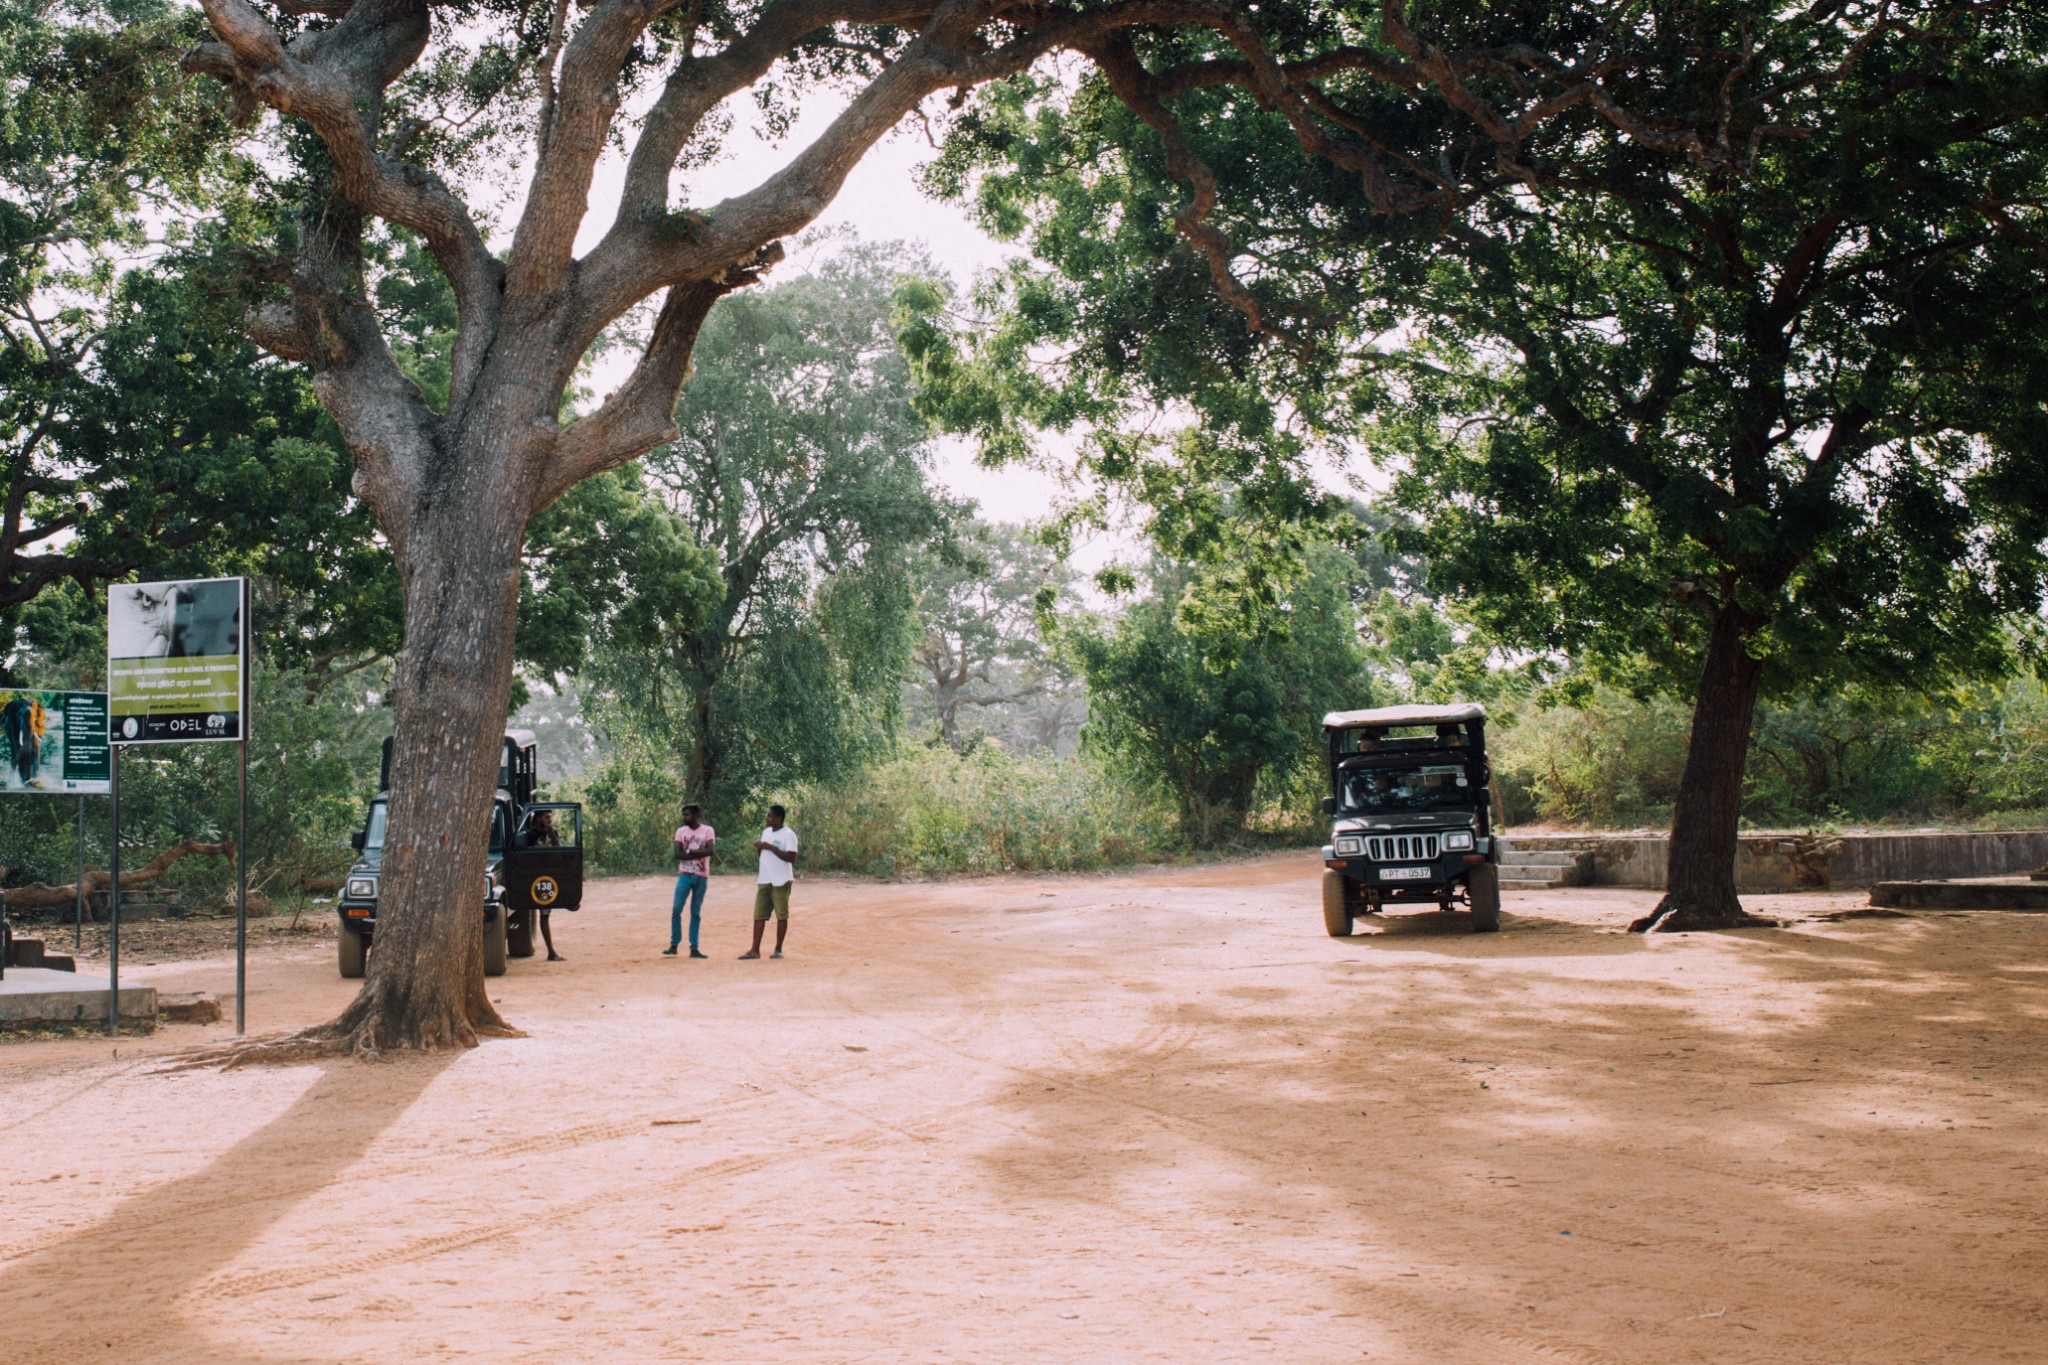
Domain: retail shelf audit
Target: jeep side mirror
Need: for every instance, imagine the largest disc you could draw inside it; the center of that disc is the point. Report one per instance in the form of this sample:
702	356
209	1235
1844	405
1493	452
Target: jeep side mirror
1329	805
355	841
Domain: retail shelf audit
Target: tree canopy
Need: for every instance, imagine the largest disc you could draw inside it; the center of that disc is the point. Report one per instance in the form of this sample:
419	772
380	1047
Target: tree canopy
800	470
1695	418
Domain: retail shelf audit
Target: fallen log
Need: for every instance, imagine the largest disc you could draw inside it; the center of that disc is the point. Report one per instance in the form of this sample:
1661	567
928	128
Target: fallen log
42	896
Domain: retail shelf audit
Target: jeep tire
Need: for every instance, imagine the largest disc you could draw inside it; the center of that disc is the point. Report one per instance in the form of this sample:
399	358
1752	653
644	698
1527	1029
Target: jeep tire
1336	904
494	945
1483	887
350	952
519	934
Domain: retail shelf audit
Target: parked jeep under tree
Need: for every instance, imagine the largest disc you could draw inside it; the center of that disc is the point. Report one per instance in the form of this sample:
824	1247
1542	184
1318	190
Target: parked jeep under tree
535	863
1412	795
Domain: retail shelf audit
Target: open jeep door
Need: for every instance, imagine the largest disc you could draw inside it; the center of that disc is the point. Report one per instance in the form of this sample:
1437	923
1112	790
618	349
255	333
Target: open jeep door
543	869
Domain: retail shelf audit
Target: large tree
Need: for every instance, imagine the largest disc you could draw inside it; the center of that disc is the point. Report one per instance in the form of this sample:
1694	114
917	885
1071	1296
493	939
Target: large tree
385	89
1714	422
979	600
1209	732
1779	434
800	471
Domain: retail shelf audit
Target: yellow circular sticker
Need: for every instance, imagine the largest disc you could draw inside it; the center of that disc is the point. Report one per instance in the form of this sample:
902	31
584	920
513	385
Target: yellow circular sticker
545	890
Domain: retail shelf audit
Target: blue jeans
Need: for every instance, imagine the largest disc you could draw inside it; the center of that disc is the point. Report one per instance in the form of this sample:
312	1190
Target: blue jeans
690	886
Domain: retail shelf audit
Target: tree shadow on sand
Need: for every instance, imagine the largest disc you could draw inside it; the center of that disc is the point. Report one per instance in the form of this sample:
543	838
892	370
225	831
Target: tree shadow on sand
1449	934
124	1287
1508	1138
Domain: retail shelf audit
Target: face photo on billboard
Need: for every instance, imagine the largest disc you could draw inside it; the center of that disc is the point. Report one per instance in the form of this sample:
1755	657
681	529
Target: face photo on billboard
187	620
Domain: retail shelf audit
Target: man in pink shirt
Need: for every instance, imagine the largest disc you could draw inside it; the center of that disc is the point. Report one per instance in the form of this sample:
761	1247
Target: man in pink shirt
693	875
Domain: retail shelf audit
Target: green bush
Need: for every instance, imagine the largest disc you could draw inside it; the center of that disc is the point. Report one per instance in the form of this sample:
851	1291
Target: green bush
932	812
1613	764
1977	756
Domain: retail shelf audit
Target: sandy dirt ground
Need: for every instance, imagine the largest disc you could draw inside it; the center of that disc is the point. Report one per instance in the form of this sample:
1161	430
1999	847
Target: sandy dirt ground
1152	1116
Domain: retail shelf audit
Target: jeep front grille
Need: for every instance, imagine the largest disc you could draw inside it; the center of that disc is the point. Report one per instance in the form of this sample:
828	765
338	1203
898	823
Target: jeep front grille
1403	848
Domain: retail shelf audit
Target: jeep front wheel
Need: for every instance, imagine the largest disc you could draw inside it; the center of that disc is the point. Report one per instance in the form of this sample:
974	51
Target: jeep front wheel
1483	886
350	953
1336	904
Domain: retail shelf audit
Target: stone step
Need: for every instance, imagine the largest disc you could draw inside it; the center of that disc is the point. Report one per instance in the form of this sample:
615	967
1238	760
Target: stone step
1546	867
1542	857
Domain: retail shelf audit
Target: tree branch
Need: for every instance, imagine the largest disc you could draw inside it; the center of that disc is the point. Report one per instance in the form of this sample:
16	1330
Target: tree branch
576	114
641	415
335	79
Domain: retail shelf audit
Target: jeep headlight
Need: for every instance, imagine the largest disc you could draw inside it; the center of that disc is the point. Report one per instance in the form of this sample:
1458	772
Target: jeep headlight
362	888
1349	846
1460	839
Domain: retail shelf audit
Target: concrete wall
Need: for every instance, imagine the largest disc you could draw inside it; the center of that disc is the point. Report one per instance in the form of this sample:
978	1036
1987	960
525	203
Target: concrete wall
1798	862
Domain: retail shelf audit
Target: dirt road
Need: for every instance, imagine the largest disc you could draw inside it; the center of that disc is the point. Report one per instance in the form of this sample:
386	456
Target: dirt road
1156	1116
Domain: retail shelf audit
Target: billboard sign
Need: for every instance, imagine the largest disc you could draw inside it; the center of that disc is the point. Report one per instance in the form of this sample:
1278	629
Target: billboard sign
176	669
55	743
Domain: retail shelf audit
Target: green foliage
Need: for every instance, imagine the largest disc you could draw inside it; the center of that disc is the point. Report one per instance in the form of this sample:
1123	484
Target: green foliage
1976	756
801	471
930	812
632	803
137	425
1208	730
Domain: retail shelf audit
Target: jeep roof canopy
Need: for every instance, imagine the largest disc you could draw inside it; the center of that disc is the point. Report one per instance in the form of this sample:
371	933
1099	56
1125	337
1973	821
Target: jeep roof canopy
1404	715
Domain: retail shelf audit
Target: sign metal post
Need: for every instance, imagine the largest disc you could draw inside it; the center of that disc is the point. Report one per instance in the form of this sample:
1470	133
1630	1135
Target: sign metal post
242	840
78	906
178	673
114	894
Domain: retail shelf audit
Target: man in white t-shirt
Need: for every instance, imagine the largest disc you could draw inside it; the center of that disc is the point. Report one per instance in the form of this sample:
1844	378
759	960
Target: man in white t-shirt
777	847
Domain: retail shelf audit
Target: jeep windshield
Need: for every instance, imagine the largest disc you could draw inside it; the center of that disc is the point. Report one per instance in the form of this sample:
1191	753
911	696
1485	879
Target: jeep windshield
1421	786
373	833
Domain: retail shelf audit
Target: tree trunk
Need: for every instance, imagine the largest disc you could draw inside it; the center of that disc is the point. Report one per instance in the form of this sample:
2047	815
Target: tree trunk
1699	883
425	984
706	764
947	704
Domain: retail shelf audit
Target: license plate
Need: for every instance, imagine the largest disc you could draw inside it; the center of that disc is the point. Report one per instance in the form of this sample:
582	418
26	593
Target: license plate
1405	874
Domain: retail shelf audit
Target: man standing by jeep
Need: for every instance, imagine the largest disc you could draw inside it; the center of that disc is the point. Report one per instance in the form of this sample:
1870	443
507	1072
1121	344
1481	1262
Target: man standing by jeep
777	847
693	875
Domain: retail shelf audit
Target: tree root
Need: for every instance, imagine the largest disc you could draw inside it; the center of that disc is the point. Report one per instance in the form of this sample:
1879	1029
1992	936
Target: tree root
1681	917
325	1042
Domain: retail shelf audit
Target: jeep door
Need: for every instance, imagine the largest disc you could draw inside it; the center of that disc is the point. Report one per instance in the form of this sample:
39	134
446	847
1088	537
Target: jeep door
543	870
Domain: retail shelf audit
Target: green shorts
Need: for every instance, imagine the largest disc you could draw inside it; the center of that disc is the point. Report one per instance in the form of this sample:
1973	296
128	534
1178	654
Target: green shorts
771	900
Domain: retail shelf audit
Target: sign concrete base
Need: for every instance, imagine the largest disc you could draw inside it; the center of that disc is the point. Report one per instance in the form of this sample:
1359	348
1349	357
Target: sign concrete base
36	995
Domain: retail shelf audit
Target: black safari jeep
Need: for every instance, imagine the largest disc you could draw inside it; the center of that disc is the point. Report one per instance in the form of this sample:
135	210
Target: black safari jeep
535	863
1411	793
